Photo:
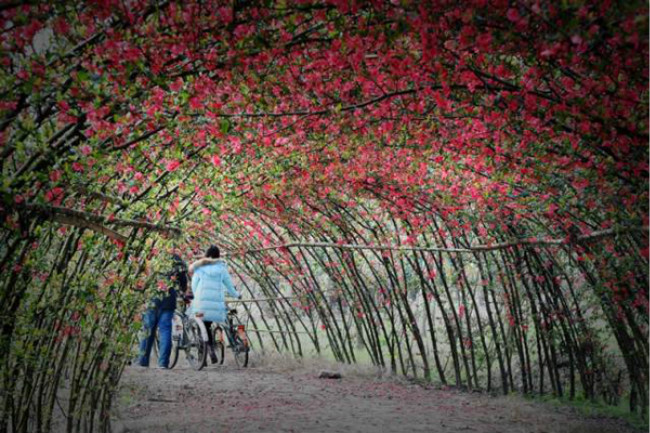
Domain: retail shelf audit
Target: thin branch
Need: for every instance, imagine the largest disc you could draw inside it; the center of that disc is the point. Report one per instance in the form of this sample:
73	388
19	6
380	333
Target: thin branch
140	138
275	331
321	112
245	301
82	189
596	235
78	222
77	217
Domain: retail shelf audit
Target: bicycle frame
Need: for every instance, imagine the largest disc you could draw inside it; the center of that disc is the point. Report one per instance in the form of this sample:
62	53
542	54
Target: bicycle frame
237	339
199	319
180	336
185	321
230	332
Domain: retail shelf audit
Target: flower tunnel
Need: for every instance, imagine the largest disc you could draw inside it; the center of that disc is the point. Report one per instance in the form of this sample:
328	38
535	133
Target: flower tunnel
452	191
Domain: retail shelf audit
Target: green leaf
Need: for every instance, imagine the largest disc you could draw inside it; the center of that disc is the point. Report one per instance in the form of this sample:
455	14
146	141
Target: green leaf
224	126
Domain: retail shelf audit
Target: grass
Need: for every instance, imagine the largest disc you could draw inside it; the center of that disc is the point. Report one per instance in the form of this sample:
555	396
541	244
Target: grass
587	407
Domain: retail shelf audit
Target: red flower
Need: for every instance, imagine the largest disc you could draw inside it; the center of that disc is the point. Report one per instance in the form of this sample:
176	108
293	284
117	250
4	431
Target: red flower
512	15
54	195
172	165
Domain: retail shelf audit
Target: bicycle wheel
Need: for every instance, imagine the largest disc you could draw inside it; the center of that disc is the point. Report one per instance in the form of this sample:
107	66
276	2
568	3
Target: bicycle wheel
177	336
196	343
219	346
241	350
241	347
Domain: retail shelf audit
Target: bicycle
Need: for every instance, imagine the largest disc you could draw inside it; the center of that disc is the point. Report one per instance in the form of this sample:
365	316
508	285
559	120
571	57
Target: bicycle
238	340
189	334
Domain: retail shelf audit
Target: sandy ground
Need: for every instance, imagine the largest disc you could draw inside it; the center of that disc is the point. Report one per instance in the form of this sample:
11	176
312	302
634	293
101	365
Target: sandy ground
288	396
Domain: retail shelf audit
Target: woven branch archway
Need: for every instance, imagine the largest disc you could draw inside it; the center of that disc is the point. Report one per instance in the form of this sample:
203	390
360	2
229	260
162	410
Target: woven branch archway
453	192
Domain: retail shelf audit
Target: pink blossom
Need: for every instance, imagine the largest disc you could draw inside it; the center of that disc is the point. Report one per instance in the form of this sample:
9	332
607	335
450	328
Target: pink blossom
512	15
172	165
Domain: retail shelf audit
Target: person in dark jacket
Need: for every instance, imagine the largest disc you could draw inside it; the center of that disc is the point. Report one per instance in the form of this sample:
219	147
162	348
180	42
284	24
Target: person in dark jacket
160	314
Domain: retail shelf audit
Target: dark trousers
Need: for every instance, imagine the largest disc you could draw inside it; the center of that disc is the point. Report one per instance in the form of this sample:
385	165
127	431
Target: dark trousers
208	327
156	318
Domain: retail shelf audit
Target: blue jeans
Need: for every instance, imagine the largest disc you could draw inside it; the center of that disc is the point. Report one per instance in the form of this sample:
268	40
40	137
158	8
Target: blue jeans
153	319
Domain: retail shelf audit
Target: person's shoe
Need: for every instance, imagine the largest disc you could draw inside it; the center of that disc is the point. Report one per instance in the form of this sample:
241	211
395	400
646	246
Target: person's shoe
213	358
161	367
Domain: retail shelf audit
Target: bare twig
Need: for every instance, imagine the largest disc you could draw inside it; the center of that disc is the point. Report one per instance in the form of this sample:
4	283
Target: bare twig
85	219
596	235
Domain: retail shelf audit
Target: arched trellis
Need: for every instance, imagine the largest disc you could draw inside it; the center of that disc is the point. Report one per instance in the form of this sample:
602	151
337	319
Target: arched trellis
319	126
516	315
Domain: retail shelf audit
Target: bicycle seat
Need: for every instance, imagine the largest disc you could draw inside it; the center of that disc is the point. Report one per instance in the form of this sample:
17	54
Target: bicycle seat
232	311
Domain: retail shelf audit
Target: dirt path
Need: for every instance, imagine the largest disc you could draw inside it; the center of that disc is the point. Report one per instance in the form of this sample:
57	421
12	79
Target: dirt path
291	398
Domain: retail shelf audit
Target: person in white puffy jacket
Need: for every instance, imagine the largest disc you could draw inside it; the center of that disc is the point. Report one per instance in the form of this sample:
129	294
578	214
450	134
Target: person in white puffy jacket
210	283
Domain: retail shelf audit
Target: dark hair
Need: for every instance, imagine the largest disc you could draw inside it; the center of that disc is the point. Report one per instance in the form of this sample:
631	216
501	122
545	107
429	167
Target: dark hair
176	258
213	252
